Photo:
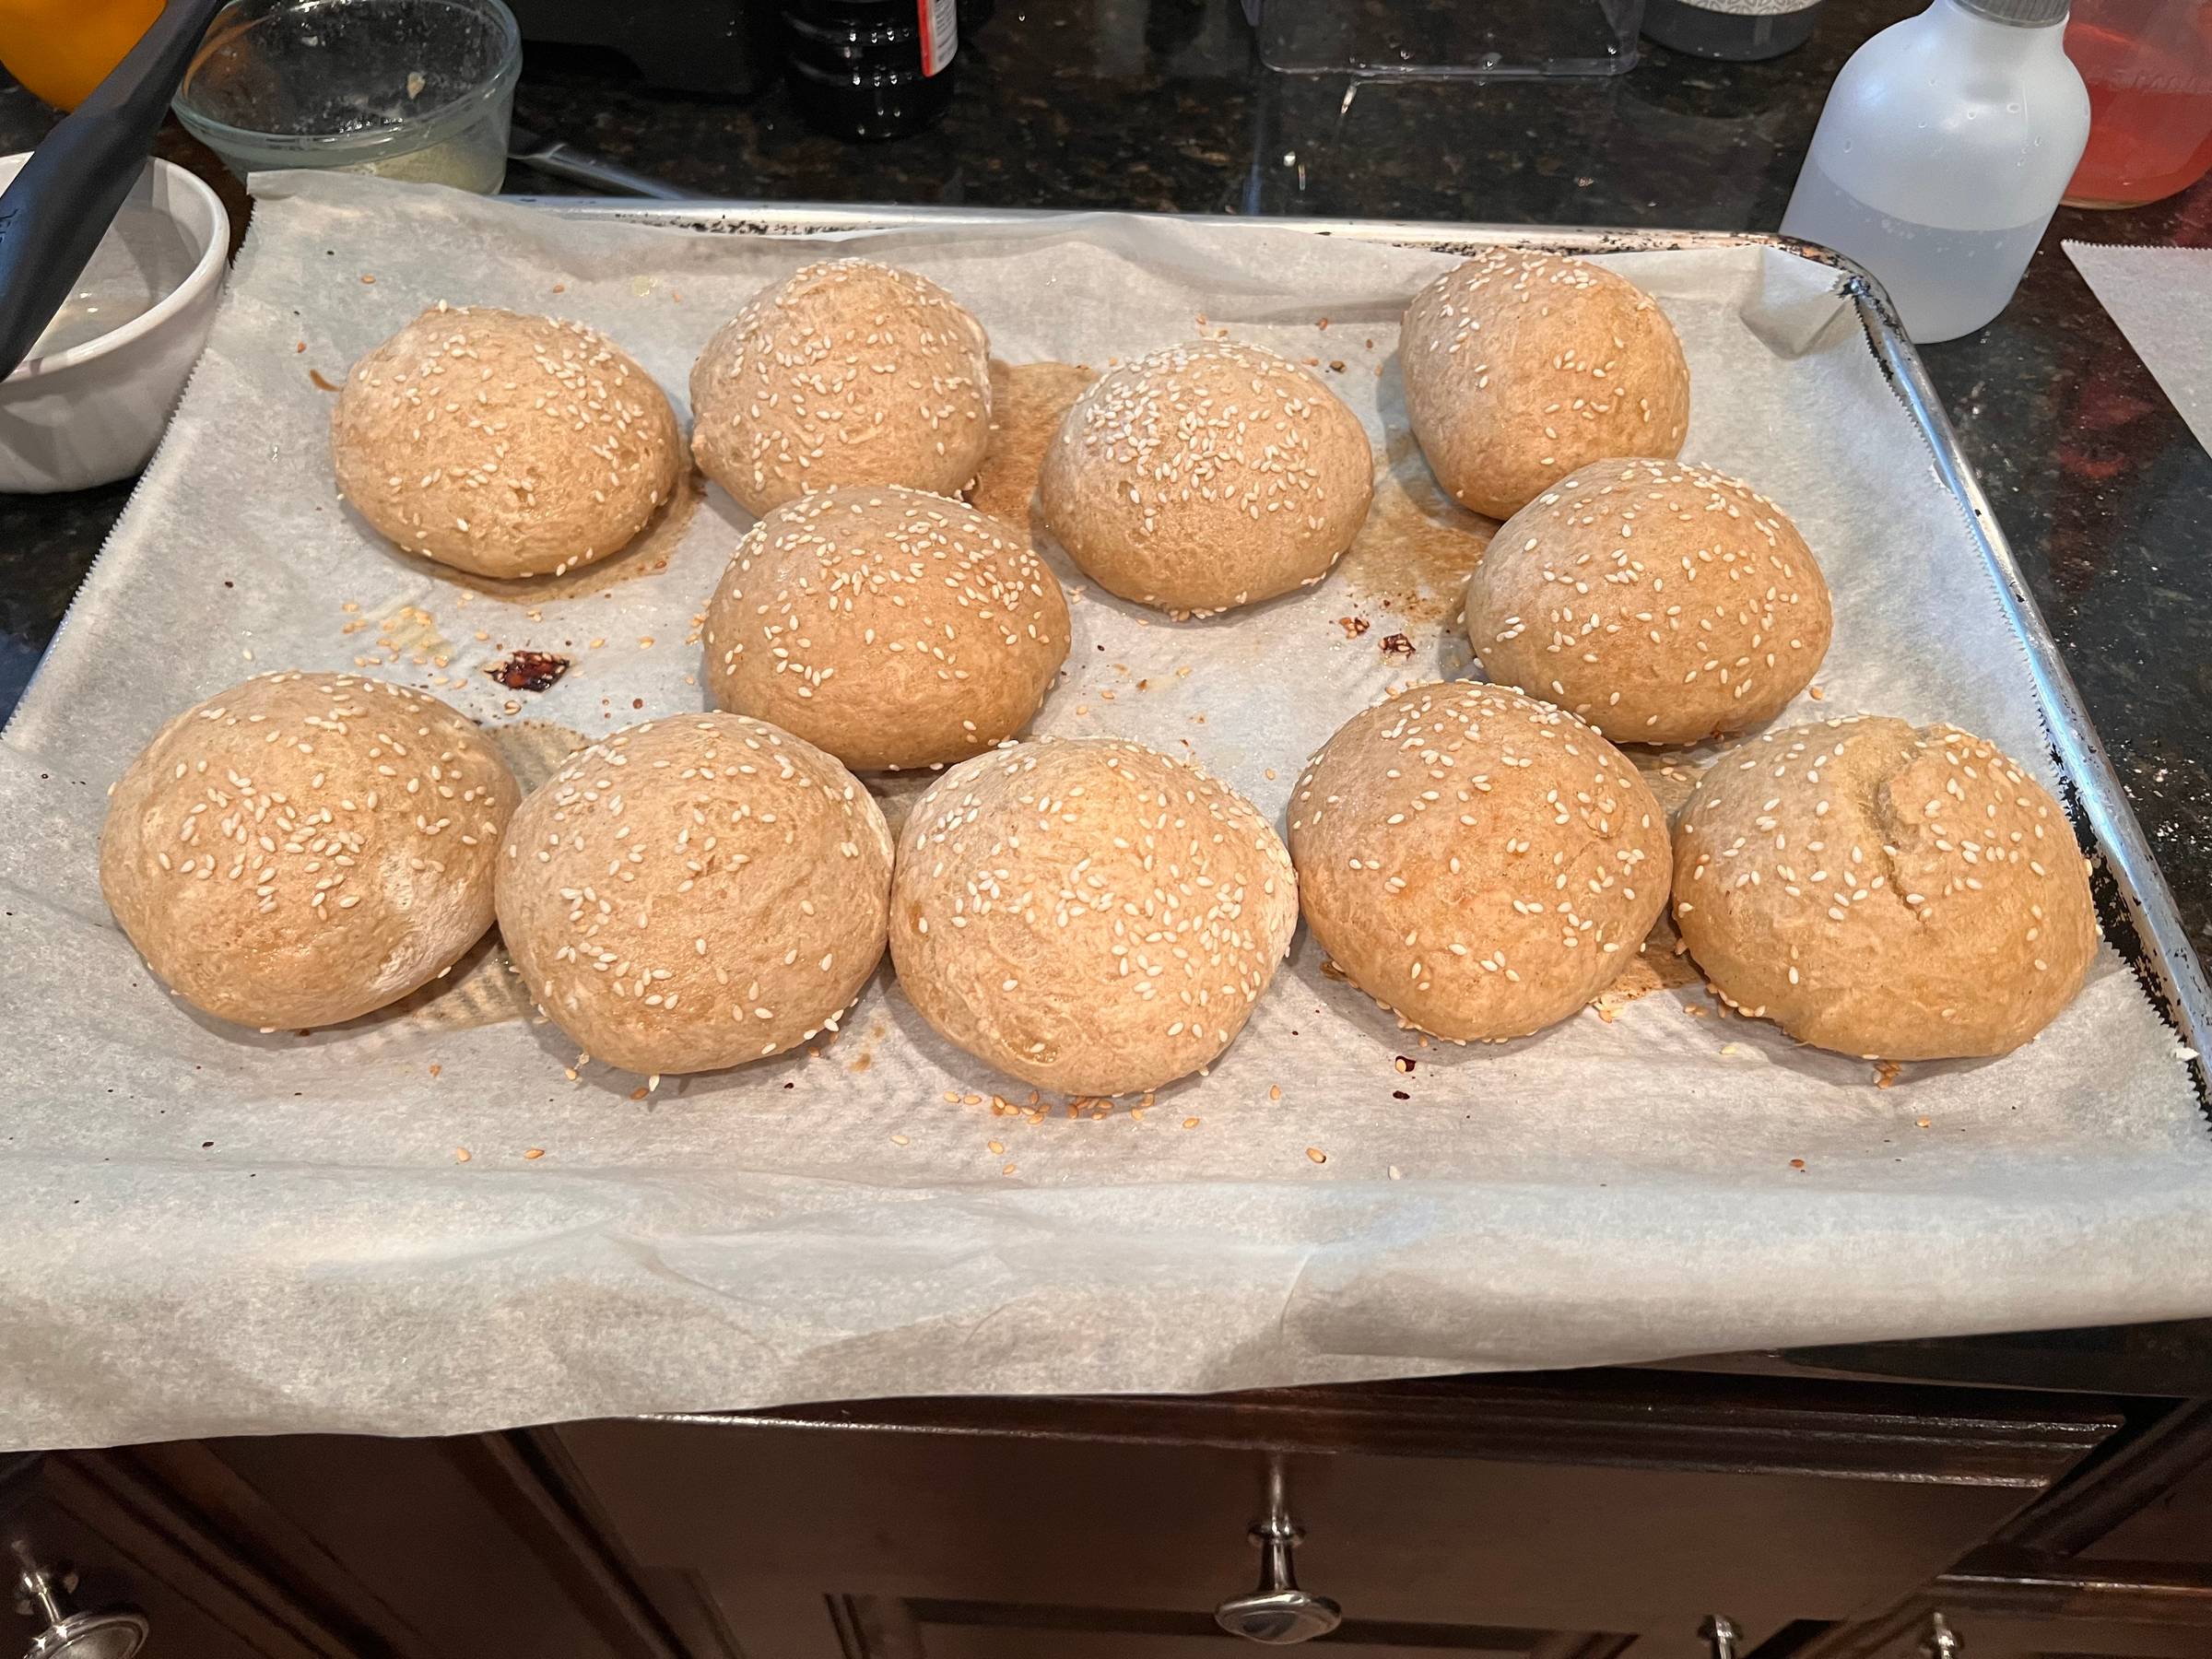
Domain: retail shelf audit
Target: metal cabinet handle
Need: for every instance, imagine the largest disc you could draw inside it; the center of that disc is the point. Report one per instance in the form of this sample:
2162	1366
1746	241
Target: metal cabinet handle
44	1593
1718	1632
1941	1641
1278	1611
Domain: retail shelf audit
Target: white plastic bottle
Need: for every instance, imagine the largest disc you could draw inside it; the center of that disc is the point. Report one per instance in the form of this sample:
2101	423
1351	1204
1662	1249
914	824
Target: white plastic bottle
1941	154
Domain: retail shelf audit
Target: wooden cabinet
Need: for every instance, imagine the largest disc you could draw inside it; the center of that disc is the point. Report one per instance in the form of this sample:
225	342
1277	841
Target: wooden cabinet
1600	1515
126	1543
2078	1617
955	1632
2116	1563
325	1546
2041	1612
1568	1518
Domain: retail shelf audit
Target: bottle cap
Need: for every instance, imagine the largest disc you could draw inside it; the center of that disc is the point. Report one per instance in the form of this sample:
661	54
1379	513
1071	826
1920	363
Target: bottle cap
2025	14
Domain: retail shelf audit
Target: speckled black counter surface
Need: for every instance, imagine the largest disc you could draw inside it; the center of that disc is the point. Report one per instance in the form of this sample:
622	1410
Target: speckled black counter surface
1162	104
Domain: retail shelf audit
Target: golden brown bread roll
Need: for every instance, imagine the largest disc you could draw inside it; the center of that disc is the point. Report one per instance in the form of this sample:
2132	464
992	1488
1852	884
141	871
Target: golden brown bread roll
1206	475
891	628
1897	893
1659	602
1478	861
846	371
504	445
1087	915
1520	367
691	893
302	849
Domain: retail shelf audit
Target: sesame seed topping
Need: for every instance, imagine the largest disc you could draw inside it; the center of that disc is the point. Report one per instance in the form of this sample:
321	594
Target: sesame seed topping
1618	624
1552	872
1905	932
851	602
1165	465
678	912
1141	907
242	823
847	371
503	443
1580	356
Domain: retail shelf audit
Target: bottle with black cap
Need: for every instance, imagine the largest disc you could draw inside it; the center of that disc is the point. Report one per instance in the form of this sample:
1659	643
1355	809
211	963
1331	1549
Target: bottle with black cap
1739	30
1941	154
872	68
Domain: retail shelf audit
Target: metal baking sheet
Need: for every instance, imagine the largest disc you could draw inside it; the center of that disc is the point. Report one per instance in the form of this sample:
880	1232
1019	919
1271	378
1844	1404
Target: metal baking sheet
278	1232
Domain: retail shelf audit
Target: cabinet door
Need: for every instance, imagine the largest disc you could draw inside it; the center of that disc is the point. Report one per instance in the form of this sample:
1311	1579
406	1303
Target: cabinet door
431	1548
925	1630
1985	1637
1564	1521
294	1545
126	1545
736	1619
1994	1625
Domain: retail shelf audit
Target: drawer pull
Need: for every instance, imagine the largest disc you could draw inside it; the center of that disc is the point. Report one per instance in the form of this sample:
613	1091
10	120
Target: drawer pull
1278	1612
1941	1641
44	1593
1718	1632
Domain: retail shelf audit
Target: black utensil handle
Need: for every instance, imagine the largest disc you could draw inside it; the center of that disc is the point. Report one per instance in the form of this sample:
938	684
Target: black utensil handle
56	209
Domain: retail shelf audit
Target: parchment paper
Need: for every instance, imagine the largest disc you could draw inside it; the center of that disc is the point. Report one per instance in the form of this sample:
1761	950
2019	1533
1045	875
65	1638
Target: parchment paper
209	1232
2161	298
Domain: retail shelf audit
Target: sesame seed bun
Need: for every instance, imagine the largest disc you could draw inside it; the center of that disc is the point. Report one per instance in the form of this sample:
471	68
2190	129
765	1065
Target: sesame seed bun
1521	367
1206	475
1662	603
846	372
503	444
1478	861
1087	914
1896	893
302	849
692	893
890	627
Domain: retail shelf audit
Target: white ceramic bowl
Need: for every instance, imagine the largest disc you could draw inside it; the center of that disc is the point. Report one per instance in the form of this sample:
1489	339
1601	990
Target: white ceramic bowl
92	413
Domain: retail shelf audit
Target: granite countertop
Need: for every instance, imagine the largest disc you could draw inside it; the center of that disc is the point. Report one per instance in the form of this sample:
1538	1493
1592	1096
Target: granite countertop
1162	105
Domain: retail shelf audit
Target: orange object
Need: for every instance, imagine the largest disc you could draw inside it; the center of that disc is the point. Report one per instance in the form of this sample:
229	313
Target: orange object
2148	64
62	48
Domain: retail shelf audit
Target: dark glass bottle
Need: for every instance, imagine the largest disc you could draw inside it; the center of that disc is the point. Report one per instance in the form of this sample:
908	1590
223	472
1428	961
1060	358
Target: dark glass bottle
872	68
1737	29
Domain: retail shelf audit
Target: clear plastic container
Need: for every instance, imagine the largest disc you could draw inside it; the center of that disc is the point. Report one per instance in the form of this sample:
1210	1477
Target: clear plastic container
2148	67
1484	40
1940	156
419	89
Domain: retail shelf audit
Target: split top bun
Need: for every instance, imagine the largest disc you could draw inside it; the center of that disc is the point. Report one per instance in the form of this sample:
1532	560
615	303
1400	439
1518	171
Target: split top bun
690	893
504	445
890	627
305	848
1659	602
1521	367
1480	863
1087	915
1206	475
846	371
1887	891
